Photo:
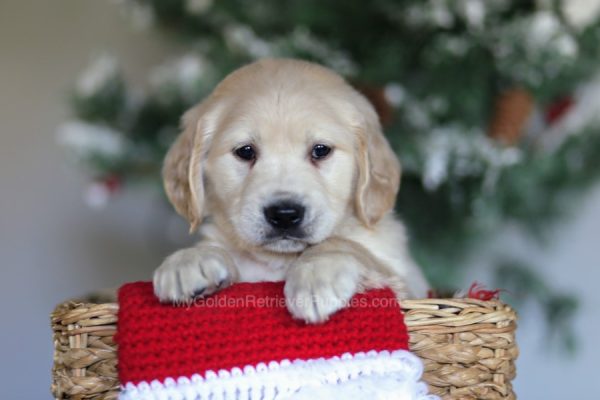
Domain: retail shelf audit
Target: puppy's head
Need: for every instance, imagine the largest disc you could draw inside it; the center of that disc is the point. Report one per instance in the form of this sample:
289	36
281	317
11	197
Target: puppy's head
280	154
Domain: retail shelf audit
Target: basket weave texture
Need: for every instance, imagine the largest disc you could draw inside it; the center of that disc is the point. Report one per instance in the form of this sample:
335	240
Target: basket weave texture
467	346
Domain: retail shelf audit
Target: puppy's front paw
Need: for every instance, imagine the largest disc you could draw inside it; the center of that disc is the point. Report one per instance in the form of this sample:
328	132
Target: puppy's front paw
318	286
192	272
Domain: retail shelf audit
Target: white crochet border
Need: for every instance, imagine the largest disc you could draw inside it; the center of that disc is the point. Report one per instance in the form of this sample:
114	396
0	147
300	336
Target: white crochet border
373	375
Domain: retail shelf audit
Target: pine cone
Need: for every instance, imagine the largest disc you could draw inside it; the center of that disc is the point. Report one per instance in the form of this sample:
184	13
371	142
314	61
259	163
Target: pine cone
376	95
511	113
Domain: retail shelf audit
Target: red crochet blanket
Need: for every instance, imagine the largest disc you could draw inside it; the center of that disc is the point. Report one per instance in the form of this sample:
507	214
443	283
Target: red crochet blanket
245	331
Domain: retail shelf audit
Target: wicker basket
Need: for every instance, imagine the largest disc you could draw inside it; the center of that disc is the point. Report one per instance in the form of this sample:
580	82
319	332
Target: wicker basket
468	348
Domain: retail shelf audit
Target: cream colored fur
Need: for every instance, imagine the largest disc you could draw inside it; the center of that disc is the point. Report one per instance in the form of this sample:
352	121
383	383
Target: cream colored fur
353	241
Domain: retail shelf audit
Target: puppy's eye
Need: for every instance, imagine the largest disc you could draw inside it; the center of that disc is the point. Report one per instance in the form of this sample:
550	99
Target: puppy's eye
246	153
320	151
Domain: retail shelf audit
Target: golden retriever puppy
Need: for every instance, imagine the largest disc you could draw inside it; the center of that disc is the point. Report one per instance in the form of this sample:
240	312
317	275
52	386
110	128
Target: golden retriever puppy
288	166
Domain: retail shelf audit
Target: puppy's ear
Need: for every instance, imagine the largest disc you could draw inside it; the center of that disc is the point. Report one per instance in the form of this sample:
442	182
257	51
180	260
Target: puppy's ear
378	169
182	174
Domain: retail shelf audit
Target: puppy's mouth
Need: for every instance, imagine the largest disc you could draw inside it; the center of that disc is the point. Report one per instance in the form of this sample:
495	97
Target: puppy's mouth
285	241
286	234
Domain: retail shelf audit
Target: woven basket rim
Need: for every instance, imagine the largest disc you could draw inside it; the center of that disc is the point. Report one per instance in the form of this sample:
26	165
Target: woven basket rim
467	346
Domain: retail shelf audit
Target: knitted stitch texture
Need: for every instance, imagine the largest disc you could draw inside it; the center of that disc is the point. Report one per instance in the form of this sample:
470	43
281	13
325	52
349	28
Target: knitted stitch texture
243	325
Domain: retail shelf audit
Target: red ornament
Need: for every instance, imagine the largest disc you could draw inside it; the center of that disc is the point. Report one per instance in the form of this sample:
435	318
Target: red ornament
477	291
112	183
98	193
558	109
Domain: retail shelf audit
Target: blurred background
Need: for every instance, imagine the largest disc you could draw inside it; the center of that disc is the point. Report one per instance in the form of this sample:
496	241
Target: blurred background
491	105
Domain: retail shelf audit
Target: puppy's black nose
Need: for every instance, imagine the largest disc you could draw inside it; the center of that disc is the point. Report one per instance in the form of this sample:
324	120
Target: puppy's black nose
284	215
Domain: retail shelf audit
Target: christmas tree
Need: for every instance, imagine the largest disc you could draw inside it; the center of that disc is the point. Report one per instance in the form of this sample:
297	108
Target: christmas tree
487	104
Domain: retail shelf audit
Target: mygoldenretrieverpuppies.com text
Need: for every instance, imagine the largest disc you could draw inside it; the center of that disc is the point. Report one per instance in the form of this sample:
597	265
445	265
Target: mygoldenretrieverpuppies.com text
252	301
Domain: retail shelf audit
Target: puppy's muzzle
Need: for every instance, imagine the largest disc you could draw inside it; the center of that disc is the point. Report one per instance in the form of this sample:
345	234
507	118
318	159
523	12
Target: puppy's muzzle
284	216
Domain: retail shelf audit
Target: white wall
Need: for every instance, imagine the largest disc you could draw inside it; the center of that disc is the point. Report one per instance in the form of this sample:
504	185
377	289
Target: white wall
570	261
52	246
